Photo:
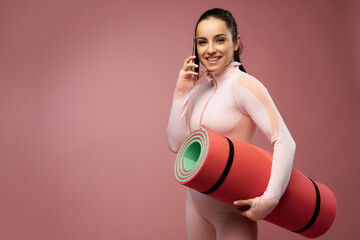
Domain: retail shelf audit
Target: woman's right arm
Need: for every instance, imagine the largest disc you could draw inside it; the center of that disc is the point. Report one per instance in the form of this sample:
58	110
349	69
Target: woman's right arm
178	126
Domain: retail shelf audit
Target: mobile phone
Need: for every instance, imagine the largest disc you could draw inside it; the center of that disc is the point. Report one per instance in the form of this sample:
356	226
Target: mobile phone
196	61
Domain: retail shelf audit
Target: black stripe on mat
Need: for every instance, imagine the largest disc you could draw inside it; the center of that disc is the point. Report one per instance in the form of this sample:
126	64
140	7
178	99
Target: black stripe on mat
316	211
226	170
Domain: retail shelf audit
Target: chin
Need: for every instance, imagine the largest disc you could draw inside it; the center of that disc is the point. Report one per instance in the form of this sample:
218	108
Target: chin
213	68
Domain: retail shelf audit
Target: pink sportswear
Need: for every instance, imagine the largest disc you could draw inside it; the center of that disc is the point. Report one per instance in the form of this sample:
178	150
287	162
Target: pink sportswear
234	104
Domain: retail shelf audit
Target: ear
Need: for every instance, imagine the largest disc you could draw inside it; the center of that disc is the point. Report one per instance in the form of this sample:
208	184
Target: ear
237	44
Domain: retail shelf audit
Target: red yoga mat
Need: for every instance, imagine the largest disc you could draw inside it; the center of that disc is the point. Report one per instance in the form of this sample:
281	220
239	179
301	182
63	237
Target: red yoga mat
229	170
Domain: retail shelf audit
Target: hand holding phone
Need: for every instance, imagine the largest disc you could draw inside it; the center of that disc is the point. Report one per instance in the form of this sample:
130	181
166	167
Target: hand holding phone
189	74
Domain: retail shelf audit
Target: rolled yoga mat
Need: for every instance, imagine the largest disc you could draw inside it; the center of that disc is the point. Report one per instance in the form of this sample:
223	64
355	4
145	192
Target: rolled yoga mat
229	170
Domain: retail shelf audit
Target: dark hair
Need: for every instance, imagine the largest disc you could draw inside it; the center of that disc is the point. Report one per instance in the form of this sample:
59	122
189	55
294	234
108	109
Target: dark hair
227	17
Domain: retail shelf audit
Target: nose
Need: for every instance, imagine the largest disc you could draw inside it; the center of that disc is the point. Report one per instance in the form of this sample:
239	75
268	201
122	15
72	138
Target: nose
211	50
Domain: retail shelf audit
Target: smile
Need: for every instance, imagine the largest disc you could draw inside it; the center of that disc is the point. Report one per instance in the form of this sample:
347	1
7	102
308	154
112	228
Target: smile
212	60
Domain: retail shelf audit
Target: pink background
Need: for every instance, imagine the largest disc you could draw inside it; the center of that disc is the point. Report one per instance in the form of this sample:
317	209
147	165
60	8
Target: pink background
85	94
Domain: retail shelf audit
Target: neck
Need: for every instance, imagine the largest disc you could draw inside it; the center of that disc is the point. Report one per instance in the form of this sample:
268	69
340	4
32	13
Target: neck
222	73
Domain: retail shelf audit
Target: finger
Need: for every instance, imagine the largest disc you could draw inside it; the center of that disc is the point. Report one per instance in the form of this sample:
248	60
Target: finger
245	214
192	65
249	215
190	73
247	202
189	65
188	59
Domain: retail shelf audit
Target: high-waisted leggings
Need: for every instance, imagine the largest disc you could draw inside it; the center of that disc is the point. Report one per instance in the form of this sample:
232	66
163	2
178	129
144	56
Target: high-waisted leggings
210	219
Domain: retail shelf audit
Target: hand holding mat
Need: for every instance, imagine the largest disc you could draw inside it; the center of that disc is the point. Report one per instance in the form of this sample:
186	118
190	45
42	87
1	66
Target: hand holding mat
257	208
229	170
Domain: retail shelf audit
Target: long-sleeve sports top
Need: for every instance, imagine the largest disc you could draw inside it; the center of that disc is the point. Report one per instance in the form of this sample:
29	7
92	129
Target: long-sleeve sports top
234	104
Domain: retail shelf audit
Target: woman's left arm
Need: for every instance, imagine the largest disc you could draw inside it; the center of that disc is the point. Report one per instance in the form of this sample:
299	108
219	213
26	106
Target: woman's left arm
253	99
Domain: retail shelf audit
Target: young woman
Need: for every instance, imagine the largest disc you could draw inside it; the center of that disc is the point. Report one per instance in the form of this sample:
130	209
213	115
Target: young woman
234	104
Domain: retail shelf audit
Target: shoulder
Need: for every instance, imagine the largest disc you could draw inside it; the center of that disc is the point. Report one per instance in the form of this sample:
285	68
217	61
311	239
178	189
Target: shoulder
249	87
249	82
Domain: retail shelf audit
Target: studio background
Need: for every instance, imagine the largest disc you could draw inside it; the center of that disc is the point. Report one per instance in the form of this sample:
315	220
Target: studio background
85	94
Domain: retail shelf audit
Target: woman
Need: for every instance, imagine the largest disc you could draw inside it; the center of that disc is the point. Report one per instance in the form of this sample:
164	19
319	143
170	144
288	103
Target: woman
234	104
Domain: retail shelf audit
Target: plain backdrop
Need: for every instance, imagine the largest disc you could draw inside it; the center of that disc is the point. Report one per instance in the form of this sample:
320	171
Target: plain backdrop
85	93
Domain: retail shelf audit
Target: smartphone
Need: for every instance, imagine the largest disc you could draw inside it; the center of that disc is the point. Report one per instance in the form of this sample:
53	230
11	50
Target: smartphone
196	61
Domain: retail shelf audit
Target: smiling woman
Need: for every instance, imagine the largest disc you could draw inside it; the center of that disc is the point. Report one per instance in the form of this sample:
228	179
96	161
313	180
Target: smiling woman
215	51
234	104
228	27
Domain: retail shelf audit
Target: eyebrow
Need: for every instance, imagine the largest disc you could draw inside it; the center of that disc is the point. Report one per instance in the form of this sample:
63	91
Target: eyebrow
218	35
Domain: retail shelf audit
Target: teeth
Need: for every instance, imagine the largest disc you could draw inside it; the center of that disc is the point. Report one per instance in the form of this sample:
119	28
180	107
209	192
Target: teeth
213	59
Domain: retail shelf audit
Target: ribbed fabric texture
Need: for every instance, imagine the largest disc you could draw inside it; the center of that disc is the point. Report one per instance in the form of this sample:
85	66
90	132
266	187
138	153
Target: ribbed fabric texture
235	104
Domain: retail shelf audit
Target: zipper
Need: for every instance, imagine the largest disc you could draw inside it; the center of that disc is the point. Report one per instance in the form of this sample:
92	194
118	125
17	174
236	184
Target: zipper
203	111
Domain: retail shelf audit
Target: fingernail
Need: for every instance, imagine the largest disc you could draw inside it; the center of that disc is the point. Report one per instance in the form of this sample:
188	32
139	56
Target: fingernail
235	203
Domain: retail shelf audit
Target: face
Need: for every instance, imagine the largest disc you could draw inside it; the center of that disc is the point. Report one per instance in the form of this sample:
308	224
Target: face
214	44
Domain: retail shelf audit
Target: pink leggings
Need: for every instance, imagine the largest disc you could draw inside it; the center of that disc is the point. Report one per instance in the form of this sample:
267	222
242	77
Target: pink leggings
210	219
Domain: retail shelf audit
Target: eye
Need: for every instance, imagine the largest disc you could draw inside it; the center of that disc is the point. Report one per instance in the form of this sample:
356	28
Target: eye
201	42
220	40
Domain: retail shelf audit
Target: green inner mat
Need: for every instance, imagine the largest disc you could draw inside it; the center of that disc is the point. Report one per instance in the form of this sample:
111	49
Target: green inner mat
191	155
